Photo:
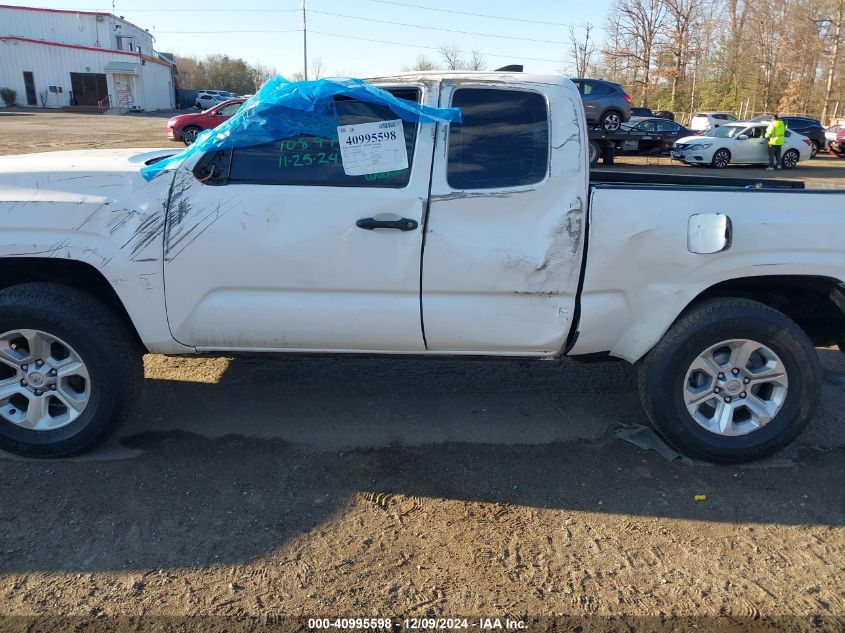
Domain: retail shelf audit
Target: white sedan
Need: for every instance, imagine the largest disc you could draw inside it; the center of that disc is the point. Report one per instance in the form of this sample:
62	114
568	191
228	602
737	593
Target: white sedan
739	143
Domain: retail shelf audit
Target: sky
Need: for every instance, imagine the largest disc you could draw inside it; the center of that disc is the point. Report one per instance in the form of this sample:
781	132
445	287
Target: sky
350	36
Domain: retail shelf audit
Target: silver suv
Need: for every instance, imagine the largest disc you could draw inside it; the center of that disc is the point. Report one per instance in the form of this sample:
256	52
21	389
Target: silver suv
605	103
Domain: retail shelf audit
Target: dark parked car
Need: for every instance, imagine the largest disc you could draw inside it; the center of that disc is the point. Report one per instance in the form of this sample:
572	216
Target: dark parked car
664	114
805	126
606	104
185	127
642	112
650	135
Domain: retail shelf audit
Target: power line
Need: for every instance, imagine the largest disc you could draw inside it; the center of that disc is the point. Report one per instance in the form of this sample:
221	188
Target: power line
433	48
206	10
436	28
477	15
390	2
226	31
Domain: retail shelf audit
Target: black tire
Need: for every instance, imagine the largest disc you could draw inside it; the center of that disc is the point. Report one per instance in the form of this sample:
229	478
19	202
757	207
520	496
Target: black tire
595	153
790	159
105	345
611	120
721	159
663	372
816	149
189	134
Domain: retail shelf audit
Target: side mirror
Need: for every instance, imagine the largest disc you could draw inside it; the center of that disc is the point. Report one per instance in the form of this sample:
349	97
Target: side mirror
743	137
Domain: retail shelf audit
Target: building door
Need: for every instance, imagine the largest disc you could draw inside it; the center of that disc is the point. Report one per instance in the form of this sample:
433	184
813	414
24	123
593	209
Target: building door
89	88
124	90
29	83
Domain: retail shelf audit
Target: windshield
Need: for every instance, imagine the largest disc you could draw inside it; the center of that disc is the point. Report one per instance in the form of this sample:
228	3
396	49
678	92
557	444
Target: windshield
726	131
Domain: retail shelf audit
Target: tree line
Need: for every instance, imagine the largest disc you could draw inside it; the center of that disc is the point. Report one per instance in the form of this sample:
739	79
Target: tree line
221	72
742	56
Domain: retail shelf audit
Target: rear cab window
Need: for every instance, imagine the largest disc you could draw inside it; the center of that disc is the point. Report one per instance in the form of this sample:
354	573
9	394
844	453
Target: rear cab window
502	141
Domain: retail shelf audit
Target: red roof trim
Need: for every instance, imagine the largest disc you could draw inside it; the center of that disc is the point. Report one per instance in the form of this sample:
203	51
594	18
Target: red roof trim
11	6
86	48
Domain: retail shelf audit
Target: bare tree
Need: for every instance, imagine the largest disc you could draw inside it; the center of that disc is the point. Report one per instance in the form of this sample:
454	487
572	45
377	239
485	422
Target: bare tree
454	60
640	23
682	18
834	35
260	73
477	61
582	49
452	57
318	68
423	63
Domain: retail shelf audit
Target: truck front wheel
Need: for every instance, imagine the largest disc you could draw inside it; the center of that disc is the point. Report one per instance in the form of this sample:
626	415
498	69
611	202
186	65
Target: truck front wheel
69	370
732	380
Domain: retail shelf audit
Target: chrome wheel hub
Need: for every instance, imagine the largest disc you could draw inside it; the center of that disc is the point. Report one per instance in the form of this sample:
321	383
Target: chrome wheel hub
735	387
44	385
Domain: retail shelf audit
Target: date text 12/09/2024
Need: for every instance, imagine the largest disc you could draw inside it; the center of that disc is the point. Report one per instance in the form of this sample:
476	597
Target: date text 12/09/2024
424	624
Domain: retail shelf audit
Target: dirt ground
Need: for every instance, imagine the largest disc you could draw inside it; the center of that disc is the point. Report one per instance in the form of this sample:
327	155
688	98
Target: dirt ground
249	489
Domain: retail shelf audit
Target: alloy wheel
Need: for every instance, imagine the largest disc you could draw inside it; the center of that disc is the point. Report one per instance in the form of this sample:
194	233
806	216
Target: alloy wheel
44	383
735	387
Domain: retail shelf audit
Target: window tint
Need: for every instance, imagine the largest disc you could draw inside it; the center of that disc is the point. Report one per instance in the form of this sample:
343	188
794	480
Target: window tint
230	109
667	126
595	89
315	161
503	140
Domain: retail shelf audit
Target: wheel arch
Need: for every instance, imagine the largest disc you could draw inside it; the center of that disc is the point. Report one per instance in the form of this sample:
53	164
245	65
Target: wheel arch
68	272
815	303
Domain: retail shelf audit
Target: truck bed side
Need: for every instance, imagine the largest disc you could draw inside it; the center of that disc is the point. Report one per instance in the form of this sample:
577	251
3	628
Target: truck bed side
640	274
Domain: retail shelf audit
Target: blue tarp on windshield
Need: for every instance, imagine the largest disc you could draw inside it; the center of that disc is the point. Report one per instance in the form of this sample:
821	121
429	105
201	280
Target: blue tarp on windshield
284	109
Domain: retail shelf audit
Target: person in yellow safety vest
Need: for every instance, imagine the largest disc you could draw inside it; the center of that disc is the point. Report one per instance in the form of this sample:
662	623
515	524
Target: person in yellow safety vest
776	133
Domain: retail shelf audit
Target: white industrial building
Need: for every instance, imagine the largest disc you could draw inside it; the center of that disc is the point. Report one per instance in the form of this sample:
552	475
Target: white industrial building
57	58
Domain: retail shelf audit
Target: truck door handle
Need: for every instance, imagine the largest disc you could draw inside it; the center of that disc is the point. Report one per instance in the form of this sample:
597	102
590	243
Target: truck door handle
402	224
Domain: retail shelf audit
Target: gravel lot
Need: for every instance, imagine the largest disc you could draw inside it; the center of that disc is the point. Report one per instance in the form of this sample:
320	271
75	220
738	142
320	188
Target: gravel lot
260	487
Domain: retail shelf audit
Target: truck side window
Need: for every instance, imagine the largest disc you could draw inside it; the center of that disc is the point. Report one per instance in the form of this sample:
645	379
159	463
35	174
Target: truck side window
315	161
503	140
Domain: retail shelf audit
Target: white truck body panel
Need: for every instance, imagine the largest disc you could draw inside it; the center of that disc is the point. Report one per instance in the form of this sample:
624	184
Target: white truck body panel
488	272
94	207
640	274
501	266
250	268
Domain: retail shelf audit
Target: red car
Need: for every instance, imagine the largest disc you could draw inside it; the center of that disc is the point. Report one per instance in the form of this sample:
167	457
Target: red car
185	127
837	146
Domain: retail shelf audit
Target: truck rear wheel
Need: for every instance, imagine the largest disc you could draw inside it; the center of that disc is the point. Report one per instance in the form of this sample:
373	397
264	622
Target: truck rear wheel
731	381
69	370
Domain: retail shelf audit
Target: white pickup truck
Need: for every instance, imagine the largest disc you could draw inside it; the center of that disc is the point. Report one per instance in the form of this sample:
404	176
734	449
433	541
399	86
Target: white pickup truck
493	242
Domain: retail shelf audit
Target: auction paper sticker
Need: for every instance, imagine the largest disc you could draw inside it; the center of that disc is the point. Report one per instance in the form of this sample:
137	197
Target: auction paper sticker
371	148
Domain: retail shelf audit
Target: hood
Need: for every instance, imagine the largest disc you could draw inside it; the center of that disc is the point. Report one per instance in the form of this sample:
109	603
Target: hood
88	205
180	119
695	139
50	176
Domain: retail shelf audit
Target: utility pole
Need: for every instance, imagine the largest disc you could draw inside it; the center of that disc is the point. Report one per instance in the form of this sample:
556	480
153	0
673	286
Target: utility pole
304	44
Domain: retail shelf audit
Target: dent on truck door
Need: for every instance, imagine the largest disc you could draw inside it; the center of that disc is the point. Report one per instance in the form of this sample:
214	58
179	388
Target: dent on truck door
289	253
505	228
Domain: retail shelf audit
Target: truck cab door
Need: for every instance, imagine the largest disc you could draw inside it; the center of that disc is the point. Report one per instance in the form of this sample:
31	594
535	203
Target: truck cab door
287	252
505	227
